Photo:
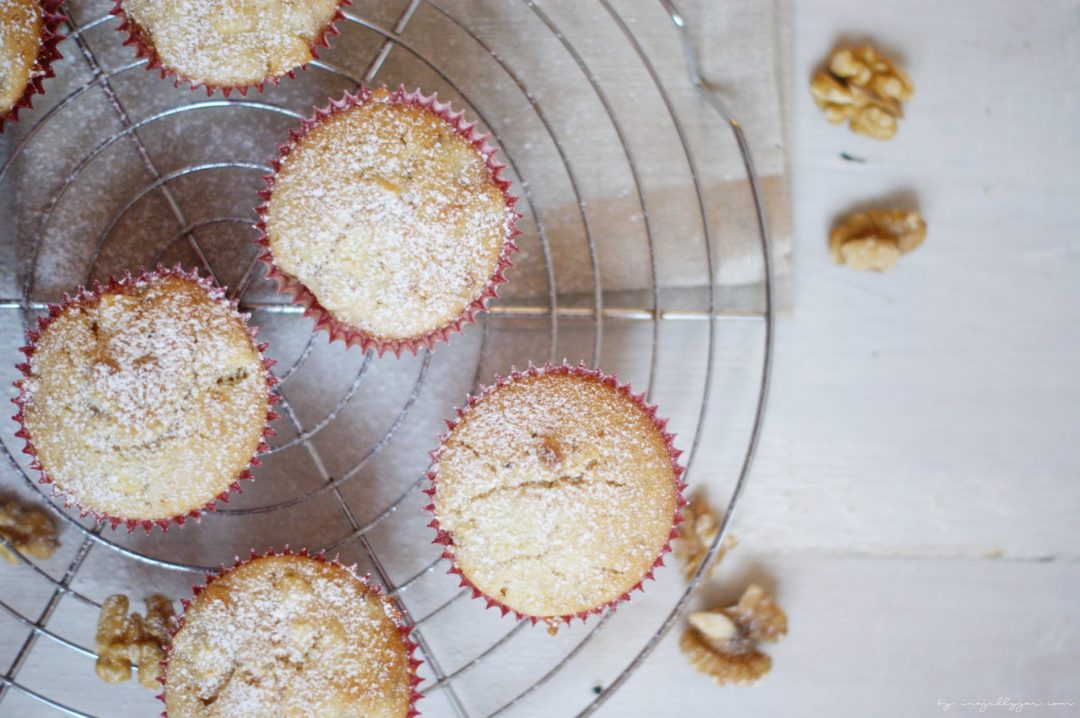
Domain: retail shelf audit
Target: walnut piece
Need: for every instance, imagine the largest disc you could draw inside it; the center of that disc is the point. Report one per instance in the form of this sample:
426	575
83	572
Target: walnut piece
757	616
123	640
696	534
29	529
865	89
722	643
875	239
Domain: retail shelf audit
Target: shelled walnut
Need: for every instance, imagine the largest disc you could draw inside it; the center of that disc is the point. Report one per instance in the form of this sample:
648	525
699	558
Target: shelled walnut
864	88
696	534
123	640
875	239
29	529
723	643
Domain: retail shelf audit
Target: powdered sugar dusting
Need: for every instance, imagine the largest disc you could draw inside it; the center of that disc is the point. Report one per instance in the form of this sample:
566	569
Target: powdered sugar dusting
390	217
557	493
20	40
229	43
289	636
146	401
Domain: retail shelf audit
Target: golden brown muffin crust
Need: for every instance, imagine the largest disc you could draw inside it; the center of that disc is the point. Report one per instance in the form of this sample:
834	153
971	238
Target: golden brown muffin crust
227	43
289	637
20	43
147	402
558	491
389	217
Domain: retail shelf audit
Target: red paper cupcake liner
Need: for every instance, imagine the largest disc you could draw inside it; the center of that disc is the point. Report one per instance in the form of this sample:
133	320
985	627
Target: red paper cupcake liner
446	540
84	295
144	49
48	53
302	296
411	646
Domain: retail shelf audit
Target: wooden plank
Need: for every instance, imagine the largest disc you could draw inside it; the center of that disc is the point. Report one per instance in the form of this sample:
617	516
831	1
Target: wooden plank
933	411
877	637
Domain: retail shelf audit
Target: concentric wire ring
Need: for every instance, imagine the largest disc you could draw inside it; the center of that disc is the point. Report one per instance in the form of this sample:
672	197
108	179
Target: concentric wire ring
306	430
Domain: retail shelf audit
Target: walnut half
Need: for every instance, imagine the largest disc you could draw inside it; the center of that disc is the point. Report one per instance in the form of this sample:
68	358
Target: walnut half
29	529
723	643
696	534
123	640
864	88
875	239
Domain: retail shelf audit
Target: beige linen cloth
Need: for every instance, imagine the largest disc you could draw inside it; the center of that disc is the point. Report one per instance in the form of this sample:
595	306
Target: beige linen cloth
600	99
588	100
598	96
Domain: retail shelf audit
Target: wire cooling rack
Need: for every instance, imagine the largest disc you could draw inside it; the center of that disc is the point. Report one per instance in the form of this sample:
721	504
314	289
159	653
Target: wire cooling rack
117	169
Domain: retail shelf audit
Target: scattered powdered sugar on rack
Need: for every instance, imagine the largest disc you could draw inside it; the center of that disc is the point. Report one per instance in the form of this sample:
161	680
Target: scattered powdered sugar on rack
556	492
390	217
290	635
145	400
228	43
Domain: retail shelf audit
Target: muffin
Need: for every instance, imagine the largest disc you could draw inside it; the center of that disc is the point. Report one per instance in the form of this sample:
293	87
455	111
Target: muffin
145	399
388	219
28	39
290	635
555	493
228	44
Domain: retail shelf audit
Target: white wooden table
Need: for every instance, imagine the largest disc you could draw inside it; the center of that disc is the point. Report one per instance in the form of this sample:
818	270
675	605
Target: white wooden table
916	500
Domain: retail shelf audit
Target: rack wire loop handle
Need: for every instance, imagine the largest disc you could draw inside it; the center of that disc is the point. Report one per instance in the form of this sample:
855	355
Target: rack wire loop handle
694	70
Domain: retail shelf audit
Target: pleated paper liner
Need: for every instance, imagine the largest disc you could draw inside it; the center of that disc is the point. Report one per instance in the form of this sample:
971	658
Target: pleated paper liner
89	296
48	53
302	296
140	39
444	538
373	590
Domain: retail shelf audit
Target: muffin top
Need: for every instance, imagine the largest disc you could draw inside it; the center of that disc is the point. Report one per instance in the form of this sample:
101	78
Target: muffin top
20	41
557	491
289	636
146	401
231	43
390	217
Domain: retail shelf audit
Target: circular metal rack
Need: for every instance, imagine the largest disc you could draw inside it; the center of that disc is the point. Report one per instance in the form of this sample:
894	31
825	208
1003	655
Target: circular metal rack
94	170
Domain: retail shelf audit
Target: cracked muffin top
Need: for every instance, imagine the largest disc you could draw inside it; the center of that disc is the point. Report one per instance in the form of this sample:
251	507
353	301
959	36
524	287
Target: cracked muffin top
147	400
231	43
557	492
293	637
